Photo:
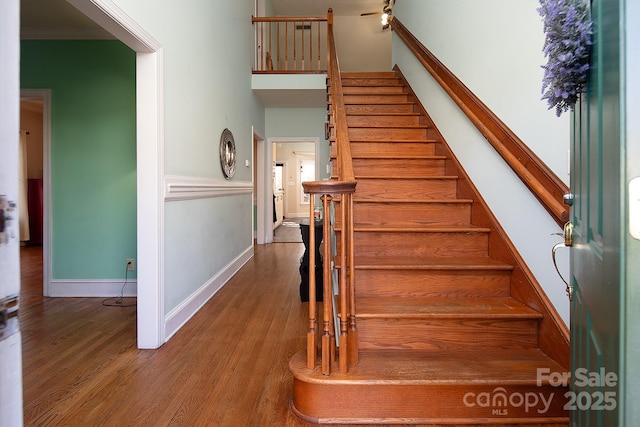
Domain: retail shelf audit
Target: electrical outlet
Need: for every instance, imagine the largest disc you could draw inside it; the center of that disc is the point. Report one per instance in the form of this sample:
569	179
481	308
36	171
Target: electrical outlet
131	264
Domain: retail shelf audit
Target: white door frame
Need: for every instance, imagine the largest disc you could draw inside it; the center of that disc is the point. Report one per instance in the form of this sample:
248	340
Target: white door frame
150	163
45	96
265	189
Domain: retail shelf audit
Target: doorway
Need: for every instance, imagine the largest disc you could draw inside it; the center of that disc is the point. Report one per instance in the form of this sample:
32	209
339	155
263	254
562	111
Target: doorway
149	164
35	121
294	160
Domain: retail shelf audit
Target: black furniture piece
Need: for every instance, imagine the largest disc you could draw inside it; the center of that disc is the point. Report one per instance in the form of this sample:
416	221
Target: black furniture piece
304	261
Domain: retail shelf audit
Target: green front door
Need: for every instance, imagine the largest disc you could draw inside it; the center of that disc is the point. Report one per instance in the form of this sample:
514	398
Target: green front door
603	269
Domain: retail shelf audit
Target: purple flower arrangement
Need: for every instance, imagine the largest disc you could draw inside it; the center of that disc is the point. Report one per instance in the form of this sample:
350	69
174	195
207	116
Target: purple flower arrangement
568	29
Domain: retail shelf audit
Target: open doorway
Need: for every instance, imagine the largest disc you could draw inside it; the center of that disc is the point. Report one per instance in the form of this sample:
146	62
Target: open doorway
35	123
267	157
294	162
148	165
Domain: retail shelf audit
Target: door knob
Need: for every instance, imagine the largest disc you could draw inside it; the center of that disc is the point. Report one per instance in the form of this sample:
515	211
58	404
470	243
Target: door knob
567	235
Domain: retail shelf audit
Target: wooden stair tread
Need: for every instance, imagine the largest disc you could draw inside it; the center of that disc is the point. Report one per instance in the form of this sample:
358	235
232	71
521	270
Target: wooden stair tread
421	229
390	177
375	126
430	263
397	157
477	366
368	74
398	141
381	102
442	308
390	113
420	201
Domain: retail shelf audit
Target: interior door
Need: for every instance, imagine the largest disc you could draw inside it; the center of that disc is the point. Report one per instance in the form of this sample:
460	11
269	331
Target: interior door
598	253
10	339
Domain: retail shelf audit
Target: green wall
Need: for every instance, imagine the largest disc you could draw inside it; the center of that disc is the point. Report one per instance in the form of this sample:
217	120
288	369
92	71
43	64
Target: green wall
93	152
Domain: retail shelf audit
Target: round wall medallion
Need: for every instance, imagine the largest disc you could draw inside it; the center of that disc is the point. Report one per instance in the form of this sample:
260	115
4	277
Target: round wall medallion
227	154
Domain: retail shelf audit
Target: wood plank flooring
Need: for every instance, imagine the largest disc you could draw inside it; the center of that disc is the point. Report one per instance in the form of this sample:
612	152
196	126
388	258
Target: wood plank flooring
227	367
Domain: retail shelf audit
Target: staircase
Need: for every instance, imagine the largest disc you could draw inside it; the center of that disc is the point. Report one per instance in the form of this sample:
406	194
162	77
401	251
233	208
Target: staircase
446	332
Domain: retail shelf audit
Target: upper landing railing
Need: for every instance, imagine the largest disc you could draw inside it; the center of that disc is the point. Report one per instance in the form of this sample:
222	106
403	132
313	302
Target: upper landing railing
295	45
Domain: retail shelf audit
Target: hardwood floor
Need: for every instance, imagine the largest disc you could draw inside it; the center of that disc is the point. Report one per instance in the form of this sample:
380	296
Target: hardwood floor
227	367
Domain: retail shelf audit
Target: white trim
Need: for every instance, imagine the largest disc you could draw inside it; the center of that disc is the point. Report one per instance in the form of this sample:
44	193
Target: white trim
45	96
150	211
93	288
150	162
257	169
189	187
113	19
189	307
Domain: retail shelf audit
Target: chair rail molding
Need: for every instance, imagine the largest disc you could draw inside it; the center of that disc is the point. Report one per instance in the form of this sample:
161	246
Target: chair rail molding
188	188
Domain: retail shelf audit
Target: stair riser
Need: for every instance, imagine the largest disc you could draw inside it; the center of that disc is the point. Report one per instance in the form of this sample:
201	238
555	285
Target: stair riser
383	108
398	120
409	214
369	148
386	134
429	283
446	334
376	99
428	403
420	244
351	82
398	167
416	189
368	90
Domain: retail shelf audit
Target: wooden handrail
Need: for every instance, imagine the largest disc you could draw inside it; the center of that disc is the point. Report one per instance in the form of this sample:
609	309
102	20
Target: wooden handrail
276	53
534	173
255	19
344	186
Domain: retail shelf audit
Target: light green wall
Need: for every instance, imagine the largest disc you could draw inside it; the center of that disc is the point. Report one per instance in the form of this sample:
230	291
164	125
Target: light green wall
300	122
207	55
93	152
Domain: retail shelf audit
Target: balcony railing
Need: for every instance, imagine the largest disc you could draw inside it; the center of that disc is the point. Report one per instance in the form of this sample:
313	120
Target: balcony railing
295	45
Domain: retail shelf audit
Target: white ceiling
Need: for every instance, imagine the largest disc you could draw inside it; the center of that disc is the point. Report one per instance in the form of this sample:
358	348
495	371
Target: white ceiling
59	17
364	39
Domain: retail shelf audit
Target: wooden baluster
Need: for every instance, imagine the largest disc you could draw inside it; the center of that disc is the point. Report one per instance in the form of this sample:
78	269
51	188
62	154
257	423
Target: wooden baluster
353	332
278	46
286	46
261	44
295	60
319	46
328	344
311	46
303	31
270	51
344	347
311	335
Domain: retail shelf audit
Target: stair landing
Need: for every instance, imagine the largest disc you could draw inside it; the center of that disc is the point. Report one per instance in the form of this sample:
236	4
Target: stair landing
470	387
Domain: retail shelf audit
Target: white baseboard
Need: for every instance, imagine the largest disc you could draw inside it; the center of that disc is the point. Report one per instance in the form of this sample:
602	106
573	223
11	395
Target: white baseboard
180	315
92	288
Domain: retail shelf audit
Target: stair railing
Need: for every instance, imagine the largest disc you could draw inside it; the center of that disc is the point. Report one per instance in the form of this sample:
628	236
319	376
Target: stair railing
343	186
533	172
290	45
